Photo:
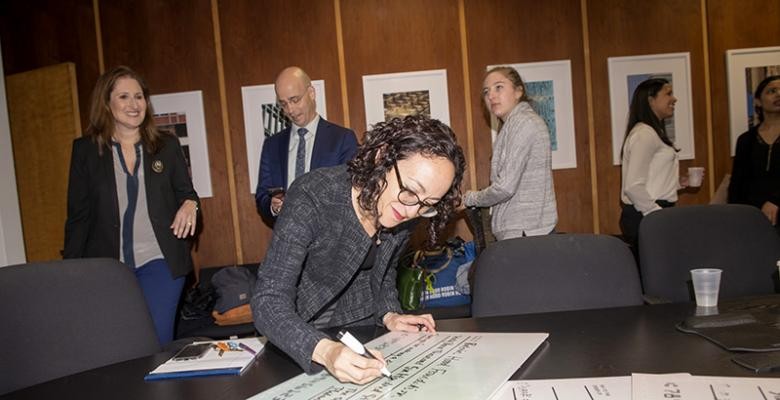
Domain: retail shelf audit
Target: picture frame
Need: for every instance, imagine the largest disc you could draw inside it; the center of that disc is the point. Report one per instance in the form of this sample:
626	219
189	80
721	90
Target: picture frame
625	73
549	88
182	114
263	117
745	68
405	93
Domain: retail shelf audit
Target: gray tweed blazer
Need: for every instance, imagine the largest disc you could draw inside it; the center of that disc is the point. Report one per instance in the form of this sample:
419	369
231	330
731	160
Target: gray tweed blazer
316	251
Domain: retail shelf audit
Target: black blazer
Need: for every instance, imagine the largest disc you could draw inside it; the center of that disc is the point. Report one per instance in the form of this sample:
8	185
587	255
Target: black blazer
92	226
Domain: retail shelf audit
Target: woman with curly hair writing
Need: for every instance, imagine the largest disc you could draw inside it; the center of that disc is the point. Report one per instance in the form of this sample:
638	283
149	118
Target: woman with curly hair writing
333	256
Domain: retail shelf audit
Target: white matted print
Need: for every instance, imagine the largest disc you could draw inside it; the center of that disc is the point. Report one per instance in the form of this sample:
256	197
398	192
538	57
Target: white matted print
549	90
625	73
406	93
263	117
745	69
182	114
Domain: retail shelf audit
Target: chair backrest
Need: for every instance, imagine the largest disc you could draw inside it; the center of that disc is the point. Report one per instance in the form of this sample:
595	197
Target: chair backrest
554	273
63	317
735	238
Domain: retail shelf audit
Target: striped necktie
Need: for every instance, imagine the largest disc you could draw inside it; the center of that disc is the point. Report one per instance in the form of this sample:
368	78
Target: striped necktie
300	158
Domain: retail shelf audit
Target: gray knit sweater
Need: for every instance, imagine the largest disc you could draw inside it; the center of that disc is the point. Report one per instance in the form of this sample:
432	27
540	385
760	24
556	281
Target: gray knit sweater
521	183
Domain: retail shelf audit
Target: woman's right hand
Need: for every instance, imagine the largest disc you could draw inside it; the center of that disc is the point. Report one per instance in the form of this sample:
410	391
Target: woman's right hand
683	182
770	210
346	365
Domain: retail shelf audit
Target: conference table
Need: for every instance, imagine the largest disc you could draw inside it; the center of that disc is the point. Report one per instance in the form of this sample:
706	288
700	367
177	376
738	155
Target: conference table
585	343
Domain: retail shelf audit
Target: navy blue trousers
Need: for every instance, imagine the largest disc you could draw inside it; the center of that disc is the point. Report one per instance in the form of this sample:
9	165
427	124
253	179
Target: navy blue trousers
162	294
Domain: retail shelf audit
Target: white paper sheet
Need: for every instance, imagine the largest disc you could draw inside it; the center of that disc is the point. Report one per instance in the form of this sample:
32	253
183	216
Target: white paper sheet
426	366
606	388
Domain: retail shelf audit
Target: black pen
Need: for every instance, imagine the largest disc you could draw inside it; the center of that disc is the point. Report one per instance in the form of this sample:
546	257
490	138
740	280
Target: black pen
355	345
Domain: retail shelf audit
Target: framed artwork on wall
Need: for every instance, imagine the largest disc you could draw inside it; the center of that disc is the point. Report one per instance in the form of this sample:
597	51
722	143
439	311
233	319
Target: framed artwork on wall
182	114
745	69
407	93
549	90
263	117
626	73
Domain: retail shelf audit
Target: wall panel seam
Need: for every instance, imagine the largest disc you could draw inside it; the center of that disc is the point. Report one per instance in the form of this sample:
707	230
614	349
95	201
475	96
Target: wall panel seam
98	36
707	98
342	63
591	122
464	51
226	131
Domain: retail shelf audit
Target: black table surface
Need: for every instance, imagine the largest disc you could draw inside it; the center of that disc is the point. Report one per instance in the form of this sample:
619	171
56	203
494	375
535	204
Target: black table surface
589	343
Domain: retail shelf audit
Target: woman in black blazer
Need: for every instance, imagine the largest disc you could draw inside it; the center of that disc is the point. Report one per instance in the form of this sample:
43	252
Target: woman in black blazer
130	196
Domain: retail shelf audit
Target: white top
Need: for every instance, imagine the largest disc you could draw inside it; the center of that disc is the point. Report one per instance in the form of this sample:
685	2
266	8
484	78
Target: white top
651	170
292	149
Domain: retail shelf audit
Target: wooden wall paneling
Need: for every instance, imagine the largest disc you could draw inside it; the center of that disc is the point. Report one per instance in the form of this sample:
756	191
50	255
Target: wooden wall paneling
734	25
258	41
43	112
514	34
383	36
627	28
171	44
40	33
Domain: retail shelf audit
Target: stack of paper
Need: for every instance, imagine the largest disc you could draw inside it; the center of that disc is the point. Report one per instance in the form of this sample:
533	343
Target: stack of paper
213	362
643	387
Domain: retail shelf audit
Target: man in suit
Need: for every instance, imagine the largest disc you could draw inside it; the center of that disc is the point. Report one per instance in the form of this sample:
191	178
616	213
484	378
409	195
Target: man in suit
310	142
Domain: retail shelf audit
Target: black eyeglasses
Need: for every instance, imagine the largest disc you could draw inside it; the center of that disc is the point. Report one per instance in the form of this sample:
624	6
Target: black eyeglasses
410	198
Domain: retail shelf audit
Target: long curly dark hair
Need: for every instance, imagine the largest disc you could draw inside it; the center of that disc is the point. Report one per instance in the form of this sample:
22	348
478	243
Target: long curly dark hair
399	139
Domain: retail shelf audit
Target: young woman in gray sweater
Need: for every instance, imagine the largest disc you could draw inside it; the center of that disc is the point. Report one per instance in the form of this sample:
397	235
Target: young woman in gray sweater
521	182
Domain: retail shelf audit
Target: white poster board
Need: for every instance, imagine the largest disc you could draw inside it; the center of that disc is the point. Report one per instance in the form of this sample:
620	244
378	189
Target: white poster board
745	68
606	388
406	93
453	366
625	73
184	111
548	86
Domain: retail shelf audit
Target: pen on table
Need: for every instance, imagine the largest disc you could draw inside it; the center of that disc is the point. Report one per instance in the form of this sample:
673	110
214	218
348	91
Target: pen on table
355	345
247	348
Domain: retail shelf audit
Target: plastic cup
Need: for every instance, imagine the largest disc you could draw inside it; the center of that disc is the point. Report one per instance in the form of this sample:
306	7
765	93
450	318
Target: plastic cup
695	176
706	284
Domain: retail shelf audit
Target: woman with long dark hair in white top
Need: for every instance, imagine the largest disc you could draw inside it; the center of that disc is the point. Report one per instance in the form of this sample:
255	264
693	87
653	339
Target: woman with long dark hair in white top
650	164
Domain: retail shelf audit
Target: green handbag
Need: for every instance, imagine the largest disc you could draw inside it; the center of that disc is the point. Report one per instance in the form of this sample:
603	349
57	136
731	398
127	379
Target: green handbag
410	284
412	277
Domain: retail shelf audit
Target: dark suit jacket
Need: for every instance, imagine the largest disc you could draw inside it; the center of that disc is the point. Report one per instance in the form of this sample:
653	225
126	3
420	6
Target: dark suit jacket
333	145
317	248
92	226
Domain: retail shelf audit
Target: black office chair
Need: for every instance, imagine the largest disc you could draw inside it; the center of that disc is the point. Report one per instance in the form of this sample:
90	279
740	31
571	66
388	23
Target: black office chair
554	273
63	317
735	238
